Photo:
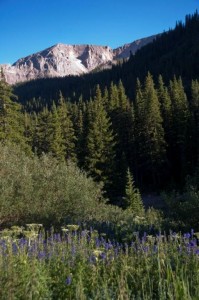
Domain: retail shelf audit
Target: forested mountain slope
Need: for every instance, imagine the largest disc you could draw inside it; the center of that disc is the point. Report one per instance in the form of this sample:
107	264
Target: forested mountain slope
148	126
175	52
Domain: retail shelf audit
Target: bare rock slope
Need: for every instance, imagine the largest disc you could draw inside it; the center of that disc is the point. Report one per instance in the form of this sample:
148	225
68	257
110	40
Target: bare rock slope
127	49
62	60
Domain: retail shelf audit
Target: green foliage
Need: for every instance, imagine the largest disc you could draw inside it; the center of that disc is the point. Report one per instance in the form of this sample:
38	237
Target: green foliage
83	264
67	132
183	208
100	143
43	190
56	139
152	127
11	119
149	132
194	105
119	111
180	112
132	198
41	132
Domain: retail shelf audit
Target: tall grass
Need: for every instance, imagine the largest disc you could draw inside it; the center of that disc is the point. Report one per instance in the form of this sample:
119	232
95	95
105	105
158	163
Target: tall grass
81	264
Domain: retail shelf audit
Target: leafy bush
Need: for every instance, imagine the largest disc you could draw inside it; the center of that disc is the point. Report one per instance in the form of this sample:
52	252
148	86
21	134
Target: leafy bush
40	190
184	208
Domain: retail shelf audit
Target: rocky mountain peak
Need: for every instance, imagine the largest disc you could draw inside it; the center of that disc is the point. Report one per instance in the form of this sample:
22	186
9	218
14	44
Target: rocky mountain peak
127	49
61	60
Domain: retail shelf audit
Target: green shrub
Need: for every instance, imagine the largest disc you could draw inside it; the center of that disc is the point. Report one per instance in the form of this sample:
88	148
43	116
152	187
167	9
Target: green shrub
42	190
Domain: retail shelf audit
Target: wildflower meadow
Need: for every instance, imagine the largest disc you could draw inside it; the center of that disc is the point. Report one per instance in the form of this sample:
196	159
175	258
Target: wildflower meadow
79	263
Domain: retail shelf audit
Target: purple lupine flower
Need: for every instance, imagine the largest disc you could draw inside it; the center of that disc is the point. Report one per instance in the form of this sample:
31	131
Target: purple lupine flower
110	245
68	280
111	257
179	249
146	249
197	252
41	255
102	240
97	242
116	251
14	248
84	233
57	237
187	235
192	243
103	255
144	237
155	248
106	246
73	251
126	248
22	242
92	259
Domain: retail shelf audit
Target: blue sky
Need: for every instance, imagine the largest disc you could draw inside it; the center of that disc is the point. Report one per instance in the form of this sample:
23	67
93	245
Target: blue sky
28	26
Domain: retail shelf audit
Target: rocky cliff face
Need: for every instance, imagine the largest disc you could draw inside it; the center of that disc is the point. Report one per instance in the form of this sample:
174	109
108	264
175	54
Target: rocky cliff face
62	60
58	61
127	49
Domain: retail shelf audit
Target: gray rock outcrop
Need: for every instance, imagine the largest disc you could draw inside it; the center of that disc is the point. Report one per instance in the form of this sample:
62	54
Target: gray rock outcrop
62	60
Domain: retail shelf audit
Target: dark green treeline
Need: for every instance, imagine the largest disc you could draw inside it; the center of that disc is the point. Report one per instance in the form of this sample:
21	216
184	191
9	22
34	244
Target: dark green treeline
155	136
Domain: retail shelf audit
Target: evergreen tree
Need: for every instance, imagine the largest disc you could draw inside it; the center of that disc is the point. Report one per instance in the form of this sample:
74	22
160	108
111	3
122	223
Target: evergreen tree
195	120
165	107
34	135
56	137
180	118
105	98
100	144
28	128
132	197
123	100
12	125
67	130
149	137
81	132
138	129
113	97
42	132
122	123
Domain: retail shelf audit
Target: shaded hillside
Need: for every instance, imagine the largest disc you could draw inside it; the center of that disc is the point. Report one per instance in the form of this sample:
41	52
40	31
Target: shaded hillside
174	52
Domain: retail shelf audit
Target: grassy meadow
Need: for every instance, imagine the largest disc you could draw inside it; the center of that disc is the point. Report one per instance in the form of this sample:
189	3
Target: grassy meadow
83	264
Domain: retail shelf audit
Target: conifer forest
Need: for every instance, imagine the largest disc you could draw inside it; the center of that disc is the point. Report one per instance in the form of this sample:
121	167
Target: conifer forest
99	178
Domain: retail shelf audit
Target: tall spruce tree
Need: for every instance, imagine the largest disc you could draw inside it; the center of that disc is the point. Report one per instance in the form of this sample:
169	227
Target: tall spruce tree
113	97
122	123
79	127
165	107
132	199
151	146
180	118
42	132
195	120
67	130
12	122
100	144
56	138
138	130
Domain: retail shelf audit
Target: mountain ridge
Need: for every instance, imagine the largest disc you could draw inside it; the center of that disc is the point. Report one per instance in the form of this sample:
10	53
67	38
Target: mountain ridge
62	60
